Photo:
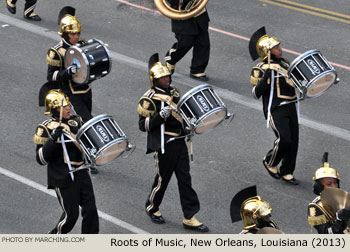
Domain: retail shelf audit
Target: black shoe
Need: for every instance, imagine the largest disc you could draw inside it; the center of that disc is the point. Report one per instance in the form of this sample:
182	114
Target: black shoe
291	181
12	8
275	175
33	17
93	170
200	78
201	228
194	224
158	219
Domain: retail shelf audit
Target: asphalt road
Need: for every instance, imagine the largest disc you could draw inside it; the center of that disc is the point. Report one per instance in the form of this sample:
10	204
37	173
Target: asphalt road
226	160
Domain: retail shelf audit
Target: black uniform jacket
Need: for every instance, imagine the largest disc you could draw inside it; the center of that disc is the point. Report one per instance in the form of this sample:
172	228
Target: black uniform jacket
150	121
324	221
57	71
192	25
284	89
51	153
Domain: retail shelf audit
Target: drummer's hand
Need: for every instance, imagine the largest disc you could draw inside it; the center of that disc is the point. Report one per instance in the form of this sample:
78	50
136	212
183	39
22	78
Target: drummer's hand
56	133
165	112
72	69
343	214
267	74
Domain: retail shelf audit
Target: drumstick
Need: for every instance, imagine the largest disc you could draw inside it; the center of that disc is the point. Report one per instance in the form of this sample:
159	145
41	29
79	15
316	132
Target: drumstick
191	149
269	58
61	112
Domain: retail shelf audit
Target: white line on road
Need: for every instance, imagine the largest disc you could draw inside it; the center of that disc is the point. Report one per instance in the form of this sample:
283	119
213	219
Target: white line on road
42	188
229	95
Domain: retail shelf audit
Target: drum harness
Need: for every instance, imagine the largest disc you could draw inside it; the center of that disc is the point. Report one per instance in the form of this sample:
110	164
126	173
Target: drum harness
71	169
282	103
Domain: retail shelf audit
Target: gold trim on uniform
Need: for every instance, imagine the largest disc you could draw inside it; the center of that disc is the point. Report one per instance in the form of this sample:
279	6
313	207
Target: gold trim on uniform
73	123
172	133
146	107
53	62
79	91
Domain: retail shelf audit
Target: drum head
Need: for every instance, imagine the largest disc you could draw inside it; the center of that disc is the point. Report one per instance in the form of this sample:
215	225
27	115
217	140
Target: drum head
111	152
74	55
321	84
211	121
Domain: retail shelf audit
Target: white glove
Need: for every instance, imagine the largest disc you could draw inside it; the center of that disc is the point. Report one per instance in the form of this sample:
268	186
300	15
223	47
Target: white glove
72	69
165	112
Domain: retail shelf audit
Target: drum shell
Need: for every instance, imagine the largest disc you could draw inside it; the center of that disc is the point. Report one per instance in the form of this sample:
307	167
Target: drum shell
311	73
101	137
201	105
92	59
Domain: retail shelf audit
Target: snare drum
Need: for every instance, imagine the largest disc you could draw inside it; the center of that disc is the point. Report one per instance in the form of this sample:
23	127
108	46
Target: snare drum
101	139
93	61
312	74
201	109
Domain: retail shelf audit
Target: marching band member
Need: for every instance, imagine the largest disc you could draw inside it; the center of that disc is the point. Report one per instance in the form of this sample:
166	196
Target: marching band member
67	173
246	205
166	141
79	95
29	7
318	216
278	97
190	33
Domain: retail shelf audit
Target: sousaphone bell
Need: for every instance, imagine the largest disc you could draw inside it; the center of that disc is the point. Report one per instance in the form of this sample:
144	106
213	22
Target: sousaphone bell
191	9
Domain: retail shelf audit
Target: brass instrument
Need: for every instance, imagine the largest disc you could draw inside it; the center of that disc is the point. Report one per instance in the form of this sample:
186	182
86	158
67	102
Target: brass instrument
193	8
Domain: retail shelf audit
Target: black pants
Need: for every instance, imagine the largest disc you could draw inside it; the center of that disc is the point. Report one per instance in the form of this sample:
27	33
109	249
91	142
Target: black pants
28	7
201	50
284	123
82	104
79	193
174	160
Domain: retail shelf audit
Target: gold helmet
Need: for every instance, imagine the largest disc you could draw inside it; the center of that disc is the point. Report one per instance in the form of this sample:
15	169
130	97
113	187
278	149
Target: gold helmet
253	209
156	69
55	98
260	44
246	205
68	22
326	171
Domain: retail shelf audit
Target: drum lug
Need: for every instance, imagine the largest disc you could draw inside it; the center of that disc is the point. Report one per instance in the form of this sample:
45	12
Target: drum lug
105	59
92	63
105	72
92	76
90	41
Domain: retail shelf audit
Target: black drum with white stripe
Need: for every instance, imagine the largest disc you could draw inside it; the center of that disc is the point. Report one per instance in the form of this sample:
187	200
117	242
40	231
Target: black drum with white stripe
93	61
312	74
201	109
102	140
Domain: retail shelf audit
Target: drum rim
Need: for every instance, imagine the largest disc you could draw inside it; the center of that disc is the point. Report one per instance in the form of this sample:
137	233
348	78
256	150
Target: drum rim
300	58
186	96
113	142
85	60
89	123
221	108
108	53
